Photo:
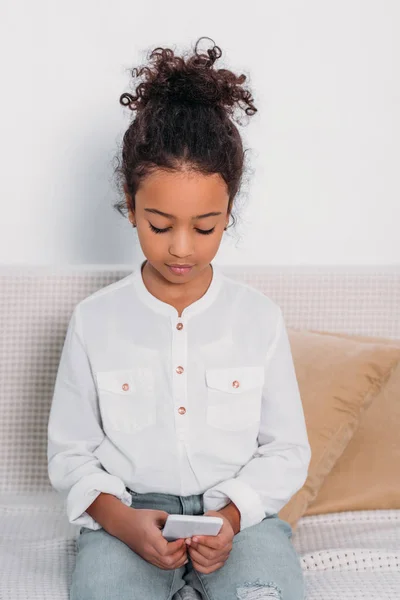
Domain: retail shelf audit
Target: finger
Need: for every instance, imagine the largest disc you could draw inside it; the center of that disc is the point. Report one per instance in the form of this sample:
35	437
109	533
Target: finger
157	562
211	541
211	555
208	552
175	562
171	559
175	545
184	561
201	559
208	570
177	556
166	548
203	550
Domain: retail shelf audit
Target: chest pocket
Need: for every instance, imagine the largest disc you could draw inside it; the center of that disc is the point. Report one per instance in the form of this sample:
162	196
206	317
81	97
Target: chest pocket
127	399
234	397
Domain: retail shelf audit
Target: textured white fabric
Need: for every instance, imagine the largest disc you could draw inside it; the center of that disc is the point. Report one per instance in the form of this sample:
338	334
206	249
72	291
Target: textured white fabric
37	543
350	586
352	555
130	365
350	541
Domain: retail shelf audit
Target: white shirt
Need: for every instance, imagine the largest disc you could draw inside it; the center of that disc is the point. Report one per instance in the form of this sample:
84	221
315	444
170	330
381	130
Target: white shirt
205	403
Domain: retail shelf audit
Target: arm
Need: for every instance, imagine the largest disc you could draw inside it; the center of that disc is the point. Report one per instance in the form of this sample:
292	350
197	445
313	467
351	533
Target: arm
74	432
110	513
279	467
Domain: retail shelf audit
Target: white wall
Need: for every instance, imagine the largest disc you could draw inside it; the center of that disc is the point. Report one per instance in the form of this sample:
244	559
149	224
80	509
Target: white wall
324	145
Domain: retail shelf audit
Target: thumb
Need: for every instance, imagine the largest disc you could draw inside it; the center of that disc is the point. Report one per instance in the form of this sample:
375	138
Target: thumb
161	516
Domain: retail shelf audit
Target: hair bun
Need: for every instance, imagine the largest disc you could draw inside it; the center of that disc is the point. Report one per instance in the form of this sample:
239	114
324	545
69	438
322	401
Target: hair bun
171	79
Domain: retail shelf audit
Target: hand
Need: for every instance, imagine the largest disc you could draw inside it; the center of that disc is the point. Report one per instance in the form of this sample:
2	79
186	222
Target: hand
210	552
141	531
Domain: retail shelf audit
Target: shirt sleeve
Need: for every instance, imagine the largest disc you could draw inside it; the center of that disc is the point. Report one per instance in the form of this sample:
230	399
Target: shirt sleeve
74	432
279	467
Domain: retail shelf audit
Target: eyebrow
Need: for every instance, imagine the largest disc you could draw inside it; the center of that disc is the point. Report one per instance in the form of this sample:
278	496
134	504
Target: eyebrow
163	214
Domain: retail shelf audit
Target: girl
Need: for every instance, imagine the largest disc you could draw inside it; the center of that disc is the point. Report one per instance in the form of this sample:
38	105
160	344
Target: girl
176	391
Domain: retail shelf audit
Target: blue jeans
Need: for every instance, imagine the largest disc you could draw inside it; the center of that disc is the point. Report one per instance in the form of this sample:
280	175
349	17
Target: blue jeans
263	562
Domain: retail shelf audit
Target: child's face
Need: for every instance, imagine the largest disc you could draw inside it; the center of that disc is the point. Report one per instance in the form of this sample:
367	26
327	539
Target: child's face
184	196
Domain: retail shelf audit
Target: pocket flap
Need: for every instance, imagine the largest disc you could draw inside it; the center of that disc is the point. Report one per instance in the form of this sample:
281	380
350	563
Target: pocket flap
114	381
247	378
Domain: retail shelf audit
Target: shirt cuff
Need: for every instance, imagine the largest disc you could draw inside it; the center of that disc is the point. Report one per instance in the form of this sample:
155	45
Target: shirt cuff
242	495
85	492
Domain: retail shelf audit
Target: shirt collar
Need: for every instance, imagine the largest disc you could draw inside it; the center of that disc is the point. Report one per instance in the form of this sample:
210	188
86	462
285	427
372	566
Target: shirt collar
167	309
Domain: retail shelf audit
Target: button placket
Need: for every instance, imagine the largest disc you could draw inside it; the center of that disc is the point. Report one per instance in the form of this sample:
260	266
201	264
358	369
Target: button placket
179	382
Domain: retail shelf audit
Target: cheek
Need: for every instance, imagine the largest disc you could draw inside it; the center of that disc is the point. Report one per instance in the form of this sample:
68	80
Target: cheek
214	243
151	243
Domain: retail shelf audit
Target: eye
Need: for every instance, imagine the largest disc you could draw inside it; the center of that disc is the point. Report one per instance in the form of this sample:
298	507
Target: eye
156	230
202	231
205	231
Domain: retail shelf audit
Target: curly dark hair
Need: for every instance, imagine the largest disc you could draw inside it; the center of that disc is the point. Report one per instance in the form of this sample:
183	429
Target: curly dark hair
184	121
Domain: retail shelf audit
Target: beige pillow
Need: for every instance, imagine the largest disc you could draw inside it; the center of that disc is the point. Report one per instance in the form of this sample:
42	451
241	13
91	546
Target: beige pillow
367	475
338	379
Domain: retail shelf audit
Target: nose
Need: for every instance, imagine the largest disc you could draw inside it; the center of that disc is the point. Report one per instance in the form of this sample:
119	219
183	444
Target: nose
182	244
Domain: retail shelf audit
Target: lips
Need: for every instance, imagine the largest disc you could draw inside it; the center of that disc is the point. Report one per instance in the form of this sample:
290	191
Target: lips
180	270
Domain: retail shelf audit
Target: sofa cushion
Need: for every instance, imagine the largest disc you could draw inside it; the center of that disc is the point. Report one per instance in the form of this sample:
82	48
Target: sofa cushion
366	476
338	379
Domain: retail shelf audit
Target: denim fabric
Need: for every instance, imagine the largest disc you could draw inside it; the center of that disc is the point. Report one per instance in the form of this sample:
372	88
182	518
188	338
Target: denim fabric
262	555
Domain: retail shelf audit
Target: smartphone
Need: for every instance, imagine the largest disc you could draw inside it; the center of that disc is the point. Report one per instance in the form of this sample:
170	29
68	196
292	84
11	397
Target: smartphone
185	526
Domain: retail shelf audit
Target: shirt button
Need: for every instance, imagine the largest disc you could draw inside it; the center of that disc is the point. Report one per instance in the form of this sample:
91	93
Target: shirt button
125	387
181	410
235	383
179	326
179	370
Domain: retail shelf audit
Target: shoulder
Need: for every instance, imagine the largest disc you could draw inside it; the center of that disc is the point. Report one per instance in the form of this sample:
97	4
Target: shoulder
248	298
103	297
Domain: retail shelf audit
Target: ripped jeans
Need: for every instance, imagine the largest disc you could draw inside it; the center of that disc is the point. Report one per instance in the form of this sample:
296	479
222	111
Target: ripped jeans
263	563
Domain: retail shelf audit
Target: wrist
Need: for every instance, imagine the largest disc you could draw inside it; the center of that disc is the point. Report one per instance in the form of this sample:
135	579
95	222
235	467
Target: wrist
232	513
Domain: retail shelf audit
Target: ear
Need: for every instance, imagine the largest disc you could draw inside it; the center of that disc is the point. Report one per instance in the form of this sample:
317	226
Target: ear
128	200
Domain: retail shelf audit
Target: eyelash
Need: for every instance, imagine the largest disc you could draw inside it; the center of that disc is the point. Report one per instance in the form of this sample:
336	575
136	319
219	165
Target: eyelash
202	231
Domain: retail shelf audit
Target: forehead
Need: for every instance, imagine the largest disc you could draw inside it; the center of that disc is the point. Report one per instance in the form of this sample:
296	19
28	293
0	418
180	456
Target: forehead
183	194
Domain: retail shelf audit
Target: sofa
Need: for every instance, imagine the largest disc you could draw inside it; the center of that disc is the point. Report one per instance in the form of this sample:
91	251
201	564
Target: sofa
344	554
